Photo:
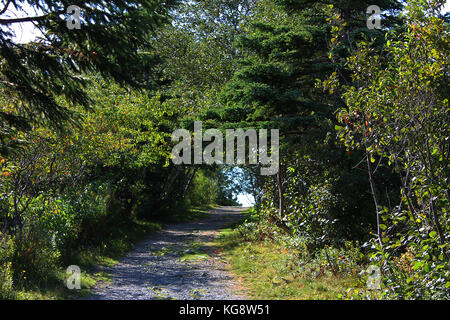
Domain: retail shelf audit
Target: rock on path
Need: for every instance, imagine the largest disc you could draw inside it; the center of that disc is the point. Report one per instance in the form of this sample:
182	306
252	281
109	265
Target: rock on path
175	263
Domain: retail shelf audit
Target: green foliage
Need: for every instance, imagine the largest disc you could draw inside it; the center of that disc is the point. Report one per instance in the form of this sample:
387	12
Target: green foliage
6	276
112	42
272	270
275	86
397	112
211	187
363	119
392	113
64	193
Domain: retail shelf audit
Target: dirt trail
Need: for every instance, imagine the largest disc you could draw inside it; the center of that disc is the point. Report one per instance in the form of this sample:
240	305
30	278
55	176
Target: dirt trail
175	263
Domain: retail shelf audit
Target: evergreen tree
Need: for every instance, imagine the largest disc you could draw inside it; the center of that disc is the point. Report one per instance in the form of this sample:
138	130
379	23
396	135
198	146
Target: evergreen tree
112	41
276	85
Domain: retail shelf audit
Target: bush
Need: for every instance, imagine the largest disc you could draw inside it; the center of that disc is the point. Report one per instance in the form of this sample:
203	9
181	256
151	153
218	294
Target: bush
6	276
47	227
34	259
204	190
419	272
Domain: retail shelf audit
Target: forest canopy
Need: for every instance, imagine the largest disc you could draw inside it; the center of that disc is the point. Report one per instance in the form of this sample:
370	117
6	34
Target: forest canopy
88	114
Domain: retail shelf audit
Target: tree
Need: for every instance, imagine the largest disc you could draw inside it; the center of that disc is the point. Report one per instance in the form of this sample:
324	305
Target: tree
199	57
287	51
397	111
112	42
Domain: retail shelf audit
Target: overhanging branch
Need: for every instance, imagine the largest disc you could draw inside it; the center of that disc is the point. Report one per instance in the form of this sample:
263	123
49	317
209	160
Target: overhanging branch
30	19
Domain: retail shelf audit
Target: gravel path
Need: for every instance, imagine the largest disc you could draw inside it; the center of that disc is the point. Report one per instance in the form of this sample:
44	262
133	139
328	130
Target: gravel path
178	262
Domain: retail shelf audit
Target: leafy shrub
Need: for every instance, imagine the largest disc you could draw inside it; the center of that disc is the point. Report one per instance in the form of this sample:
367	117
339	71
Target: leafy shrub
6	276
35	258
248	231
47	226
419	272
204	190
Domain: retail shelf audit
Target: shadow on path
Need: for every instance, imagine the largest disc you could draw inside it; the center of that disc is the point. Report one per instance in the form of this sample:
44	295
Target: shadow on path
175	263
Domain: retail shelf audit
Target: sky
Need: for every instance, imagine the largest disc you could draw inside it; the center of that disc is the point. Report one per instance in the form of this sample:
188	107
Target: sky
24	32
246	200
446	7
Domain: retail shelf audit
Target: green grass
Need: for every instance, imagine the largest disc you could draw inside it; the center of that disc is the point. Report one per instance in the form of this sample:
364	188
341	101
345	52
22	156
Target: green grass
266	271
160	293
263	268
195	256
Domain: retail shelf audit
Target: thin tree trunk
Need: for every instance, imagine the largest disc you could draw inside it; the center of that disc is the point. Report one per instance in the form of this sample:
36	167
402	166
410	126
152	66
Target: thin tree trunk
189	182
278	221
280	192
170	181
375	198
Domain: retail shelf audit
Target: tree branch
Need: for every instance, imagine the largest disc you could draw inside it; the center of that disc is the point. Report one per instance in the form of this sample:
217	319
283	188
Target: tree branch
30	19
5	7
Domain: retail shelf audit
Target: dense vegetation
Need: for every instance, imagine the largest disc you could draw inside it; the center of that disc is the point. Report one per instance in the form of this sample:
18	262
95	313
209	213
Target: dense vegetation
87	117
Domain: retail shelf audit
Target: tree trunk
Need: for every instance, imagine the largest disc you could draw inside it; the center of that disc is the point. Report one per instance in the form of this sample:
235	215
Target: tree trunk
189	182
278	221
375	198
280	192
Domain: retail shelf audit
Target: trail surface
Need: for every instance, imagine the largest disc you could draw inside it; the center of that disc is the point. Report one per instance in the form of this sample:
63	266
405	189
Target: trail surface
178	262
